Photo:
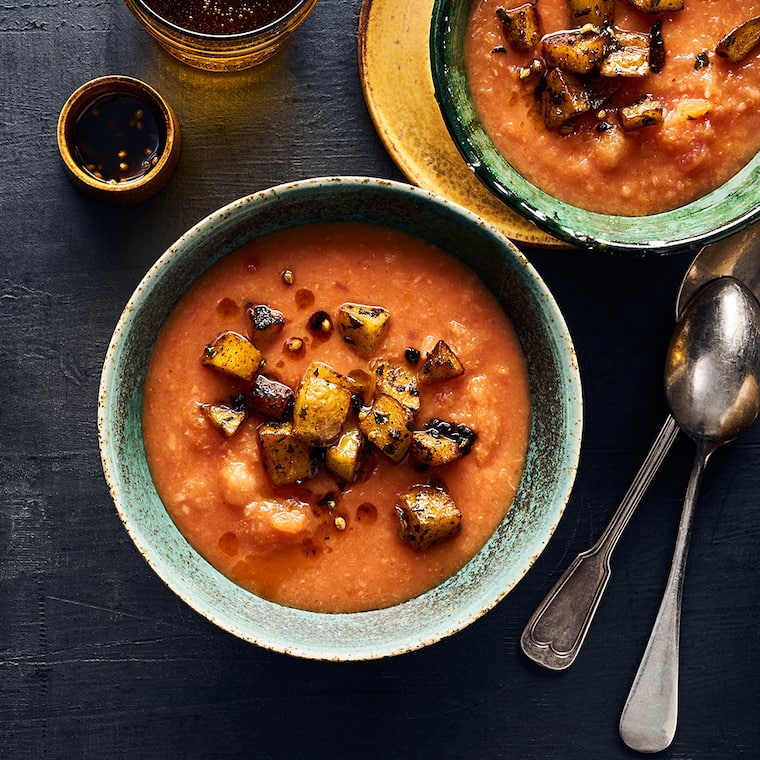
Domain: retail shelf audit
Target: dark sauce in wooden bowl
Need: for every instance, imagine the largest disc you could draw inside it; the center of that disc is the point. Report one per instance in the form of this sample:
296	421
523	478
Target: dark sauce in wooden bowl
117	138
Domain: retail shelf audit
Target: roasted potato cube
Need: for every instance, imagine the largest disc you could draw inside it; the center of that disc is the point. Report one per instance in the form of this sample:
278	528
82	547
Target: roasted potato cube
397	381
320	406
362	326
286	458
628	55
234	355
226	418
326	372
388	426
597	12
431	450
564	98
657	6
266	321
441	442
271	399
740	42
522	26
645	113
440	364
427	516
343	457
579	51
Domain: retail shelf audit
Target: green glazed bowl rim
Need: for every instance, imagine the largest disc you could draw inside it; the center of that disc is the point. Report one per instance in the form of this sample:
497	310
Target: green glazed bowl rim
728	209
553	451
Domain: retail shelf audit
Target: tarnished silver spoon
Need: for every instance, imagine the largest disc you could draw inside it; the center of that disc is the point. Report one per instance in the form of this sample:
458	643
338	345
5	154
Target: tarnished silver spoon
557	629
736	256
712	383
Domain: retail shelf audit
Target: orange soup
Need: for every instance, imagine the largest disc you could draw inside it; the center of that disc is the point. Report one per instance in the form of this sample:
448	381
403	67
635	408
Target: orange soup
709	109
327	542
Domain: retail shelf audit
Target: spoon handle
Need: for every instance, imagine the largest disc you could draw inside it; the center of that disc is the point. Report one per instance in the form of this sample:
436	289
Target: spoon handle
556	630
648	721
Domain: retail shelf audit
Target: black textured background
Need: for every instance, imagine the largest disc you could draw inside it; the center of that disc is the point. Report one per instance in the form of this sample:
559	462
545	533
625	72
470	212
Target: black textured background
99	660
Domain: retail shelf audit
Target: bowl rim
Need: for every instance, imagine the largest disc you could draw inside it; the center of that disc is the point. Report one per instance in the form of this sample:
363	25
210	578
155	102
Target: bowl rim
686	228
249	614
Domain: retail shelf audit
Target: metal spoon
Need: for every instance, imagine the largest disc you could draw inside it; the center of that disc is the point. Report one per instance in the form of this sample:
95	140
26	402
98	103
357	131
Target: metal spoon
557	629
736	256
712	382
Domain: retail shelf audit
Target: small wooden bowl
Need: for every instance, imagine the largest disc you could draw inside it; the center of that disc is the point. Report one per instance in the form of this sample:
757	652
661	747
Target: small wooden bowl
85	175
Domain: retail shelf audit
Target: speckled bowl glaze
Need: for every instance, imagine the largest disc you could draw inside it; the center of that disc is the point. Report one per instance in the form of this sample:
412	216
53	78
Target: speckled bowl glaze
726	210
554	441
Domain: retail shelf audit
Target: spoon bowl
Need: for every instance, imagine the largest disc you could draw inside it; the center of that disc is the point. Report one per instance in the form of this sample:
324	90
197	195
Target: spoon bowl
737	256
711	372
712	382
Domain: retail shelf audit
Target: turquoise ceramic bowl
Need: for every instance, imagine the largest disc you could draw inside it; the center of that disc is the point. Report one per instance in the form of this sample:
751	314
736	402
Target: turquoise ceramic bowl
726	210
554	442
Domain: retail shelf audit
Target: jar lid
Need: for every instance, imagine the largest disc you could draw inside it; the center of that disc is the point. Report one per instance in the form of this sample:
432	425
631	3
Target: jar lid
119	139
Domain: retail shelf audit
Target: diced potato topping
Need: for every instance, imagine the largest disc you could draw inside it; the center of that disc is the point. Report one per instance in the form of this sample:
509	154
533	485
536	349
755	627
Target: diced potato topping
343	457
740	42
427	516
388	426
271	399
639	115
397	381
628	56
579	50
226	418
564	98
326	372
362	326
440	364
331	418
657	6
581	67
430	450
597	12
234	355
321	405
522	26
440	443
287	459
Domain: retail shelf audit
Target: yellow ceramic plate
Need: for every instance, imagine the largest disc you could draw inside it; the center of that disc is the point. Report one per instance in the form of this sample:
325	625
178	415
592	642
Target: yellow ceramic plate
394	64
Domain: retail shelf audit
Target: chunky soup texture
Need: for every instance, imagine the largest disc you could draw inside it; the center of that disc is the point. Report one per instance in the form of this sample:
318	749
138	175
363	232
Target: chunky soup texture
323	544
710	110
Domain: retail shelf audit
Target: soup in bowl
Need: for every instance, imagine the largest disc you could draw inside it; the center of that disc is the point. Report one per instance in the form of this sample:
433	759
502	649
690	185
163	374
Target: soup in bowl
619	125
341	417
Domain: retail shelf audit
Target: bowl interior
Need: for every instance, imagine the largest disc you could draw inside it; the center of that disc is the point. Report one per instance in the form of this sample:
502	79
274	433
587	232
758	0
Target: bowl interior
554	440
716	215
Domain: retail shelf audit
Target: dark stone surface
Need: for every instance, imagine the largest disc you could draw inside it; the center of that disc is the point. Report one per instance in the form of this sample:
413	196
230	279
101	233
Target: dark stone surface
99	659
